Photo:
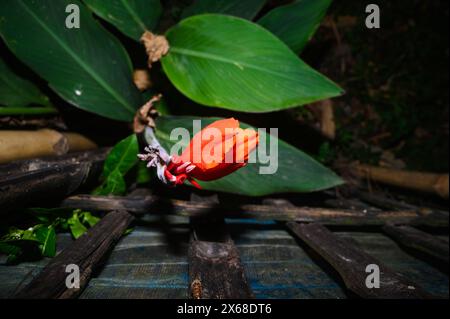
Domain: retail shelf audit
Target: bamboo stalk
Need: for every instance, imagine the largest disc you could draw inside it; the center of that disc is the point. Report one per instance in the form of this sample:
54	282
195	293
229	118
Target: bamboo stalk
40	181
78	142
17	145
418	181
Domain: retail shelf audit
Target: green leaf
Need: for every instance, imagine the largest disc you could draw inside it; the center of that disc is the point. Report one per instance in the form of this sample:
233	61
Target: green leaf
296	23
114	184
246	9
229	62
76	226
16	91
123	156
143	174
90	219
9	249
120	160
19	243
46	236
297	172
131	17
88	67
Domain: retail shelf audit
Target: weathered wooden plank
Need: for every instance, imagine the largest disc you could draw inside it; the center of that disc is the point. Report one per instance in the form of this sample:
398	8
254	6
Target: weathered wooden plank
419	240
351	262
157	205
87	252
387	203
38	181
215	269
215	272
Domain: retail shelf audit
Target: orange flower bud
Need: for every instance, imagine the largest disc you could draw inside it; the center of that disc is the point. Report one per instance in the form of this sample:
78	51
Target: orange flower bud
216	151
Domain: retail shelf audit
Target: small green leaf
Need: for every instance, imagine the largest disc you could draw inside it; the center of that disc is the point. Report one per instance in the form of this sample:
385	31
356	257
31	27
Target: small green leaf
297	172
131	17
90	219
76	227
296	23
120	160
9	249
46	236
246	9
128	231
16	91
88	67
228	62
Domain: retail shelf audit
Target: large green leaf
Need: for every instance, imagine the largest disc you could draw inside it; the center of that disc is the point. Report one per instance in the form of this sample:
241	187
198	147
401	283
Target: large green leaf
297	172
229	62
296	23
16	91
131	17
246	9
87	66
120	160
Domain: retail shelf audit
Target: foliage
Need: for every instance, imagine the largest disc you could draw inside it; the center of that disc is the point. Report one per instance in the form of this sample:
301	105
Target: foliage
40	239
219	57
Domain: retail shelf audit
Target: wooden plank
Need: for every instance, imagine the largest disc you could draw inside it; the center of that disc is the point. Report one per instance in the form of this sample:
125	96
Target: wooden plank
419	240
215	272
87	252
215	269
384	202
40	181
157	205
351	262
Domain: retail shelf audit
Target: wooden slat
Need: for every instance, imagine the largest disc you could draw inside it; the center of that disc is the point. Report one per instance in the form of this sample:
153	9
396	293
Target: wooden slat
351	262
215	269
154	204
87	252
420	241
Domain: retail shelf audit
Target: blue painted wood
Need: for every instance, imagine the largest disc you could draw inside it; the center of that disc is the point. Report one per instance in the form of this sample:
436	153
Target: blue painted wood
151	262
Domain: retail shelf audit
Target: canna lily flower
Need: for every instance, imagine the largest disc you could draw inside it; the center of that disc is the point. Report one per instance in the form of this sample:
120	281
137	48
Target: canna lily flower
218	150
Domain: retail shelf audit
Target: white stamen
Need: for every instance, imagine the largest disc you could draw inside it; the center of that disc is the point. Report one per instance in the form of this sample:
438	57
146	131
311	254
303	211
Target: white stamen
190	168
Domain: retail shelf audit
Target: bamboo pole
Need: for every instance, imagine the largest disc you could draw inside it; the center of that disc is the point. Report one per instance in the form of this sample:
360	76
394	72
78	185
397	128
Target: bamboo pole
17	145
418	181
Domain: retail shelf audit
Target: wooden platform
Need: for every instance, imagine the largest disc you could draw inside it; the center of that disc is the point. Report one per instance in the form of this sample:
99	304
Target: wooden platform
152	262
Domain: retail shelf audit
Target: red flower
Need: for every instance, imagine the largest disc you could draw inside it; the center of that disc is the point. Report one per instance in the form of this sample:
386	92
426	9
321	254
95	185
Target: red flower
216	151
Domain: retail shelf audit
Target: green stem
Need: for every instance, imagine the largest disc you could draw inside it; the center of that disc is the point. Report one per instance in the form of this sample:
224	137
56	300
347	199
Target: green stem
27	110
